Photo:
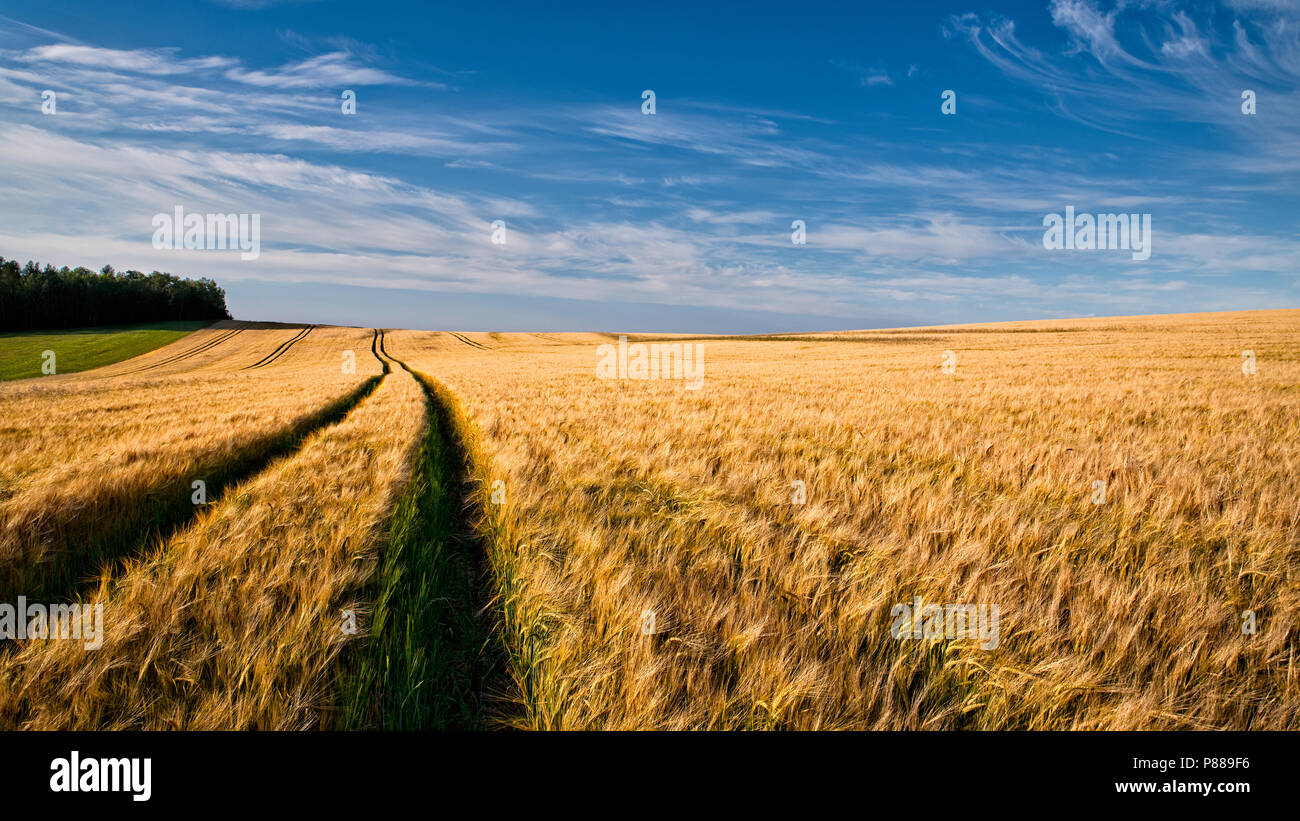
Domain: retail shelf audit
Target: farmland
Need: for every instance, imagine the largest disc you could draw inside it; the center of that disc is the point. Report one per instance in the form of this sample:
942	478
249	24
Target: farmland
21	354
657	565
422	529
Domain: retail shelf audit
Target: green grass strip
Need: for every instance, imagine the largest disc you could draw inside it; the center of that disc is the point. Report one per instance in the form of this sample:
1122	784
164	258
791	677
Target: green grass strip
81	349
428	661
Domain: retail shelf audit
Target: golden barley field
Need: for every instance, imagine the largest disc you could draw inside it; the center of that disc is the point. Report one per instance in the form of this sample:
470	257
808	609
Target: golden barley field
542	531
623	498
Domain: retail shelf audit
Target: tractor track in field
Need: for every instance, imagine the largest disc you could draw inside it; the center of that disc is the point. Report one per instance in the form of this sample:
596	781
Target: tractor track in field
434	659
195	351
100	536
281	350
468	342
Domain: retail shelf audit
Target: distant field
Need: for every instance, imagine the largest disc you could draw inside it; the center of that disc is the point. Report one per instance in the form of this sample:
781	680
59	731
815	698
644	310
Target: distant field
80	349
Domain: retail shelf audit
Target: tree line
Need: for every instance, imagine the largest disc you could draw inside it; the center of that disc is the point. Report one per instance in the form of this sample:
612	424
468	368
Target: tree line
32	297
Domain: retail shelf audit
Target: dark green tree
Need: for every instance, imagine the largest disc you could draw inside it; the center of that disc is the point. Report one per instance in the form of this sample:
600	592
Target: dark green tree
32	297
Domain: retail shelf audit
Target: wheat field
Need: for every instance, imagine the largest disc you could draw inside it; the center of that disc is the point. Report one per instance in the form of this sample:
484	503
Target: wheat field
623	498
726	547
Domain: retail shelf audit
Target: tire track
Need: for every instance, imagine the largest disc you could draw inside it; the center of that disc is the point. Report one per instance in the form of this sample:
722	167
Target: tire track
434	660
280	351
211	343
206	346
468	342
377	348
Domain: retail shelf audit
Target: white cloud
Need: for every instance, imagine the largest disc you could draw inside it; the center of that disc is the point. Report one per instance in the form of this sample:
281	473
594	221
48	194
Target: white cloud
144	61
330	70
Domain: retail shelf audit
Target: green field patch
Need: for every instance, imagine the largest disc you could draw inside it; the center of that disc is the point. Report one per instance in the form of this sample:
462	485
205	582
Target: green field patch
22	353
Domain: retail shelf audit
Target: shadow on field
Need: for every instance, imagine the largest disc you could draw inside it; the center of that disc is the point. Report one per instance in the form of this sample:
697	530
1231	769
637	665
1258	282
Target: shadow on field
431	659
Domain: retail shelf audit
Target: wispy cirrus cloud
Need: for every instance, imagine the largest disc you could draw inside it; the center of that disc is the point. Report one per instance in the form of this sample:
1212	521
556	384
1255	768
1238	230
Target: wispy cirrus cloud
1177	68
144	61
322	71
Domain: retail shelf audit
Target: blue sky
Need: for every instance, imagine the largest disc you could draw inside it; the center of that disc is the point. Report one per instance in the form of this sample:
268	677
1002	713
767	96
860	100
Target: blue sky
680	220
